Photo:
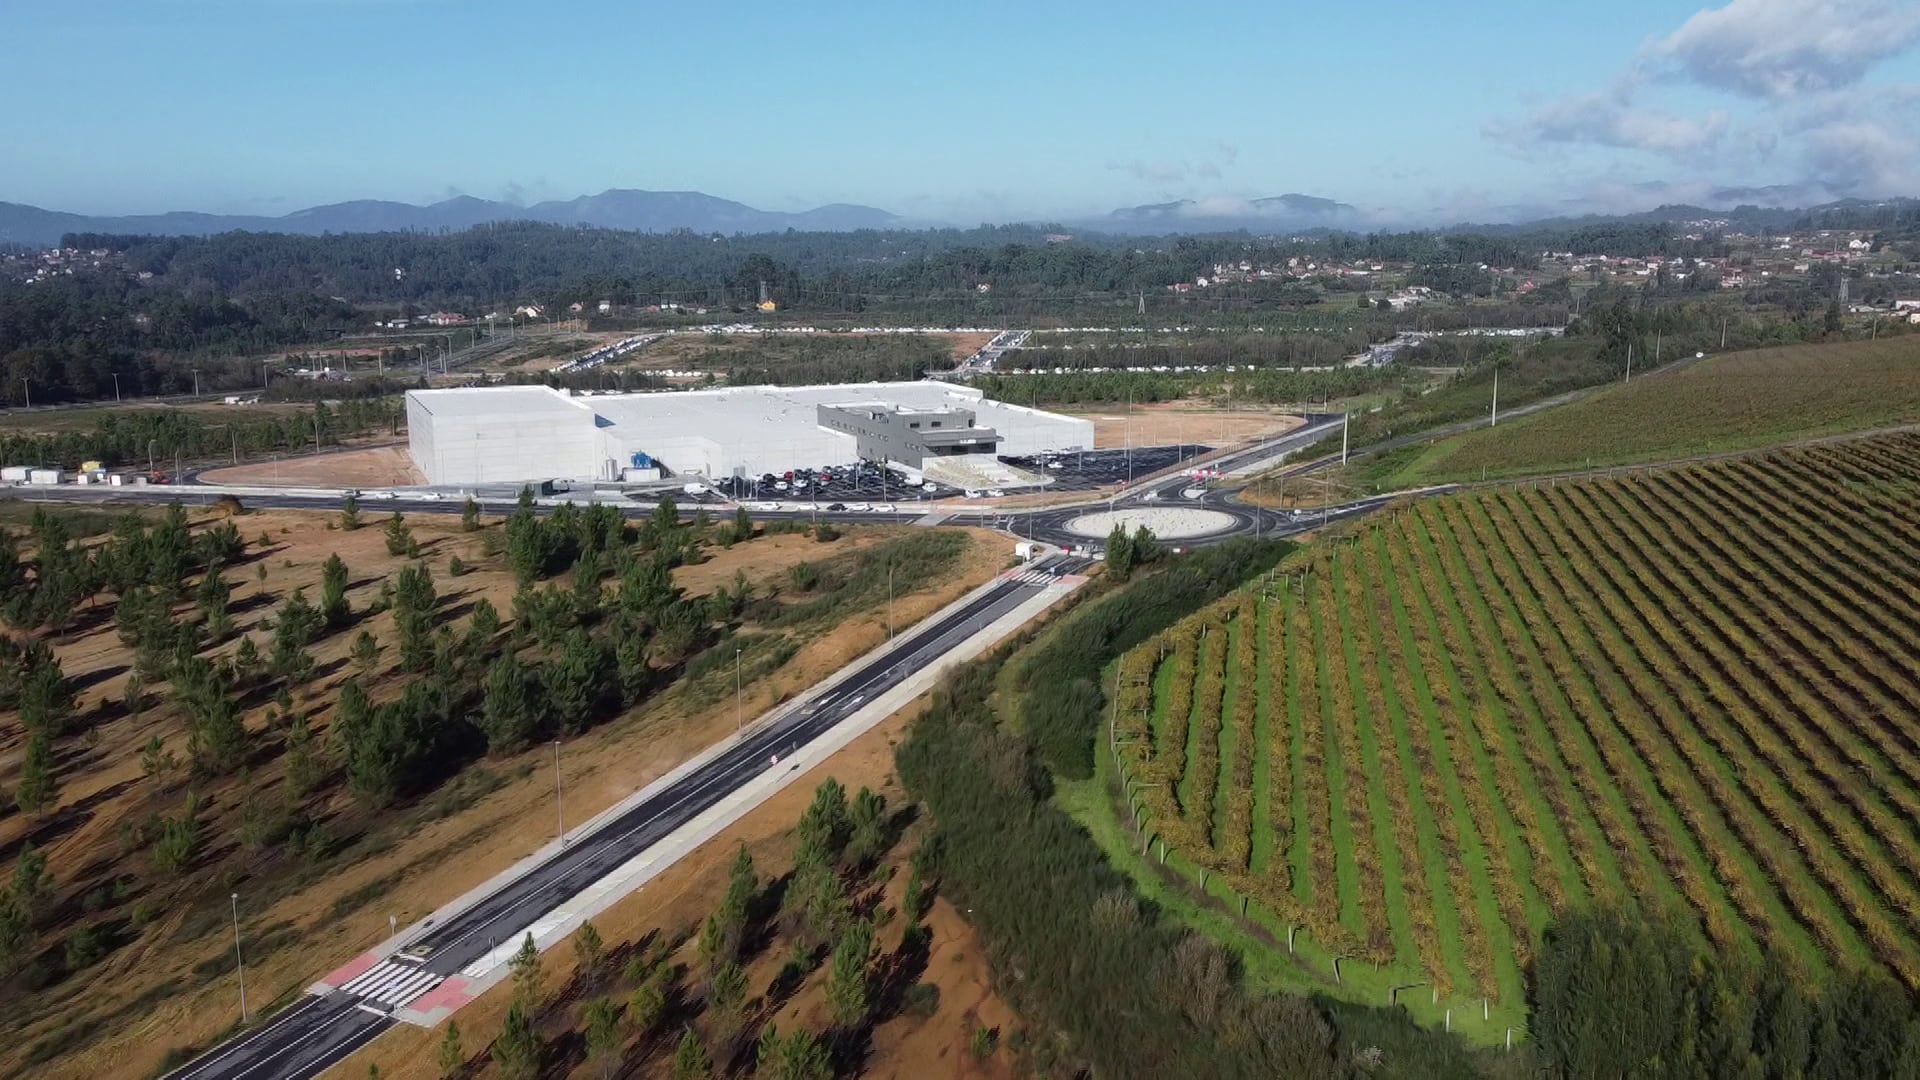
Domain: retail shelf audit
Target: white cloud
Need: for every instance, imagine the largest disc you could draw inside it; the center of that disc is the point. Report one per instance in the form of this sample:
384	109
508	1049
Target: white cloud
1613	118
1864	157
1777	49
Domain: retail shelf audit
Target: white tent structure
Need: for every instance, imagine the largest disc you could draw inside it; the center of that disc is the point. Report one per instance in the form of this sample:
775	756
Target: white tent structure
507	434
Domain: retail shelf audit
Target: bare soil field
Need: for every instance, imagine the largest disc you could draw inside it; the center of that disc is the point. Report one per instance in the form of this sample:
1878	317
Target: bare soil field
369	466
167	985
904	1046
1173	422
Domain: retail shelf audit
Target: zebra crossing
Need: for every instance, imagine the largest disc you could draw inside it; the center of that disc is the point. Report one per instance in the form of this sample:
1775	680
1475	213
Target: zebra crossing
390	984
1034	577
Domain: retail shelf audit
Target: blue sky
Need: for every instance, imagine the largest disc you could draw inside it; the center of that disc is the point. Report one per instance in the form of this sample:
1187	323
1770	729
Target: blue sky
963	112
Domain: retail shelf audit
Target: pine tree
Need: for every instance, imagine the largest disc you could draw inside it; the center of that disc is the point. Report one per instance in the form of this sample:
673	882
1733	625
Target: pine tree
798	1056
690	1060
333	592
350	514
603	1035
509	709
517	1051
1120	554
451	1058
589	953
366	652
527	977
469	515
742	525
304	768
399	537
867	827
648	1005
848	991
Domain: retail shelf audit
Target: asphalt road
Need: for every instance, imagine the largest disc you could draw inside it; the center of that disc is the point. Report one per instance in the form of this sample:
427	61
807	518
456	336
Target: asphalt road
317	1032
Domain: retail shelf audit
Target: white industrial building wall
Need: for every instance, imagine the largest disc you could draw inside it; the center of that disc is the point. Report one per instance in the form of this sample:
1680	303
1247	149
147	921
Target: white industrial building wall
1025	432
751	452
491	450
420	432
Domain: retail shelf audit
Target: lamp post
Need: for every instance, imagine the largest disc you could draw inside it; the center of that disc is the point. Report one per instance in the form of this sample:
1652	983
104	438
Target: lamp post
239	964
559	804
739	714
116	387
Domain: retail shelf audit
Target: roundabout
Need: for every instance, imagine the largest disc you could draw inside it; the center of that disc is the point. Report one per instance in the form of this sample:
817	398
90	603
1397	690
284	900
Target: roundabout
1165	522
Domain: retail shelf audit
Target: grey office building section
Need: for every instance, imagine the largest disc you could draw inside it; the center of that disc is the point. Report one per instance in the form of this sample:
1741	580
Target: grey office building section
909	436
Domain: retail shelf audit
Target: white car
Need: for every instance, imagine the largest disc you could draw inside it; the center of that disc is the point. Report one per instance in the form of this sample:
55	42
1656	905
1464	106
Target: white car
972	494
695	489
883	508
860	508
763	506
995	493
780	485
799	485
384	495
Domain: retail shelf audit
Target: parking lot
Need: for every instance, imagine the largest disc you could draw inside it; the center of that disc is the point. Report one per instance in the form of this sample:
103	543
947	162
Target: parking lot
866	485
1090	470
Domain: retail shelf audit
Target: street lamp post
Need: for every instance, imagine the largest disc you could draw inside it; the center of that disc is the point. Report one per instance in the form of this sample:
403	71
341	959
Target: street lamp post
239	964
116	387
559	803
739	714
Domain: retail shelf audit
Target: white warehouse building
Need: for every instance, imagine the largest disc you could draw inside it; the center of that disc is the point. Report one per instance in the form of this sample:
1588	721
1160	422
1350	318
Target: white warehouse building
507	434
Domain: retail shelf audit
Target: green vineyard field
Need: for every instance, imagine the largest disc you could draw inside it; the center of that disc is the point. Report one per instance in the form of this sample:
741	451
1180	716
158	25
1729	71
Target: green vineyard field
1695	689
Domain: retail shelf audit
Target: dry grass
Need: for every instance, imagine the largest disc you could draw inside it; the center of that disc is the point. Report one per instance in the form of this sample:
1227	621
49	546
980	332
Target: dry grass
1167	423
371	466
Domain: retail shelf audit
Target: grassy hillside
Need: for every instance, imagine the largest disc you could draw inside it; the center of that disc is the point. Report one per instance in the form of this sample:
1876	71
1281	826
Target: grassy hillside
1732	402
1687	691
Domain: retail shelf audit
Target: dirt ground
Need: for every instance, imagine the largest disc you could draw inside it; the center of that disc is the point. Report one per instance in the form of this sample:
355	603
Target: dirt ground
368	466
905	1047
147	997
1167	423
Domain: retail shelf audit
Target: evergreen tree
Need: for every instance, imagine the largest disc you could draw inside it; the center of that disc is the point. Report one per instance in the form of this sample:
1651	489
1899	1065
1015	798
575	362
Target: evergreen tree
690	1060
32	885
366	652
469	515
333	592
400	538
631	669
517	1051
824	825
485	620
37	789
304	768
866	827
848	990
528	981
589	953
603	1035
510	710
797	1056
350	513
413	603
451	1057
1120	554
216	735
578	681
742	525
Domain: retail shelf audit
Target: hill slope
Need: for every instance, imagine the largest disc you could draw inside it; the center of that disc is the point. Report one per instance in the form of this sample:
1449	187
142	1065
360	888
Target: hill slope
1734	402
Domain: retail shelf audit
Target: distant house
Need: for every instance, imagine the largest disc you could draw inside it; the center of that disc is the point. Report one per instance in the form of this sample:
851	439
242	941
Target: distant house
605	306
528	311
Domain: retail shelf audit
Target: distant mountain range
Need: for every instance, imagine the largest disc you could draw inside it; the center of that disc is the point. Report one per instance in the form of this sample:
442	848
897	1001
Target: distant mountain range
664	211
618	208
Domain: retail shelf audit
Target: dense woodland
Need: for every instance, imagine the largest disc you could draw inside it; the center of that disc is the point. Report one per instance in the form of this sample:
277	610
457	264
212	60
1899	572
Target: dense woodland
211	300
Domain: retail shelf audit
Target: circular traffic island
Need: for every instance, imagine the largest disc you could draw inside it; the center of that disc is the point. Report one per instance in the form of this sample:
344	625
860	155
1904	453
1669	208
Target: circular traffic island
1165	522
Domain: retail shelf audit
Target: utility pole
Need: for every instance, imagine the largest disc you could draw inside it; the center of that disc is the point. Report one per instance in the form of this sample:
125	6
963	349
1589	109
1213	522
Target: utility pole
559	803
196	382
739	714
116	388
1723	333
27	388
1344	417
1629	377
239	964
1495	419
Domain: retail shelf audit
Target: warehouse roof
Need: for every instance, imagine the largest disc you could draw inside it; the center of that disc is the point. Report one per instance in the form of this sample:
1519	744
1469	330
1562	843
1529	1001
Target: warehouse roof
488	401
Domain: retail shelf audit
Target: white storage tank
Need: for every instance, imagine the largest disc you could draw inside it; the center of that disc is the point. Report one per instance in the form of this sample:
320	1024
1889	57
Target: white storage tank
43	476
